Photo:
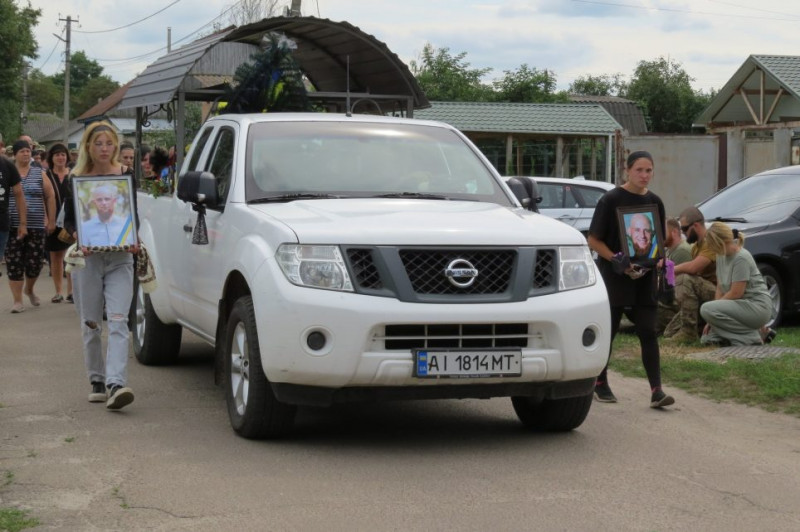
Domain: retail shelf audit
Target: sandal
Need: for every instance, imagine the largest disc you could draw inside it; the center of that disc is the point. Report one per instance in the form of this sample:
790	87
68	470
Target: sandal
69	299
58	298
17	308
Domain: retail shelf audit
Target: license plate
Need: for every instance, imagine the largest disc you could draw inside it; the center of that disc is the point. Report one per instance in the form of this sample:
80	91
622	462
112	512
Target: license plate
433	363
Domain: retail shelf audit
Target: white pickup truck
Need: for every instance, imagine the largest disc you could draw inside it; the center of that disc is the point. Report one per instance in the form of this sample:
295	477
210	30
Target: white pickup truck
365	258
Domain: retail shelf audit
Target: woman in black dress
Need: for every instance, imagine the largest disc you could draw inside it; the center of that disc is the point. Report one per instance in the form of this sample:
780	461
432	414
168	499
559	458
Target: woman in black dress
58	173
628	286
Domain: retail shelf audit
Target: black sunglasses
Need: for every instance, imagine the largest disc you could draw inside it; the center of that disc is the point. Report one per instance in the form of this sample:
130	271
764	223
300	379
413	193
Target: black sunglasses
685	228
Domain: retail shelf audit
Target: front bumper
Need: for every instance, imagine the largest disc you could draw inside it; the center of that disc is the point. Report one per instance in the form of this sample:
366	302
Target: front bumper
355	354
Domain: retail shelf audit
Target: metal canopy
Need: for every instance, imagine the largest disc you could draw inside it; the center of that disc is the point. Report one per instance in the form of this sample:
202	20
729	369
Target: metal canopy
199	70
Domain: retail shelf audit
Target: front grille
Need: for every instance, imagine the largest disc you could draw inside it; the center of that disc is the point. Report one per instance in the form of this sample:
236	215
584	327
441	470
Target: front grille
456	335
544	273
366	274
425	270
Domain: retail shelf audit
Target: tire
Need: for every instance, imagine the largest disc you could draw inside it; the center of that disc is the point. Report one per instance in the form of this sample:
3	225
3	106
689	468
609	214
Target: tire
552	415
775	288
254	411
154	342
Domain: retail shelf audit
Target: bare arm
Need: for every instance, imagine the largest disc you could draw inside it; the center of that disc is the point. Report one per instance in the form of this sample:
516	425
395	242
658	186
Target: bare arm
600	247
22	209
694	266
50	205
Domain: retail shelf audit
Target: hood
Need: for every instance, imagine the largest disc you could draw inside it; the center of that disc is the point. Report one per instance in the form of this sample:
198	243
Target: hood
372	221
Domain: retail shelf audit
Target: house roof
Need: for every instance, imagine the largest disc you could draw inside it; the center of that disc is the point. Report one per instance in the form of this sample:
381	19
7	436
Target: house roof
624	111
105	105
781	77
39	125
523	118
326	51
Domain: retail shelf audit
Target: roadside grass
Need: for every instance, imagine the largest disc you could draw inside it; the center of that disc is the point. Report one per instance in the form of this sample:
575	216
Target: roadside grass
770	383
13	520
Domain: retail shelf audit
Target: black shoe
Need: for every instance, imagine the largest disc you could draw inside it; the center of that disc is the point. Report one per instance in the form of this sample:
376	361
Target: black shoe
118	396
69	299
770	336
603	393
98	393
659	399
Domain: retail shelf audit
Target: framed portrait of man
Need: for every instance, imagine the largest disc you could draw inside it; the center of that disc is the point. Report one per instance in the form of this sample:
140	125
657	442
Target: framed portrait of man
641	233
104	212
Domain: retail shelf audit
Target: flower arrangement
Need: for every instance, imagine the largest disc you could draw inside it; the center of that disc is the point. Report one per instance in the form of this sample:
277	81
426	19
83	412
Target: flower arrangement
156	187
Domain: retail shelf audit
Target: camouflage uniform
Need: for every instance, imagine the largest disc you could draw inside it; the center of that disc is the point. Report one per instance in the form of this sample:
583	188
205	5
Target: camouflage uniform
691	291
667	311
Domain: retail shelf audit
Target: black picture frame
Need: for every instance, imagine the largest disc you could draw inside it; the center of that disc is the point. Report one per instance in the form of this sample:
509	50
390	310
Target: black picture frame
113	230
641	234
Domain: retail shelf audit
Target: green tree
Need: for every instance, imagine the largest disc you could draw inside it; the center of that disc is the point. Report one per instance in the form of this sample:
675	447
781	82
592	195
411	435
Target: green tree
602	85
18	45
95	90
81	70
449	78
529	85
664	91
44	96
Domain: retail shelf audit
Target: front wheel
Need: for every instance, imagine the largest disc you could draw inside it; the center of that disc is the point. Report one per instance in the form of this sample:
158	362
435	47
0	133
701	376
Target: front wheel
252	407
552	415
155	343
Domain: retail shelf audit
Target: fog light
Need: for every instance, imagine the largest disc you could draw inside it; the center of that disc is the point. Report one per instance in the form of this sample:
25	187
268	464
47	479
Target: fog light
316	340
589	337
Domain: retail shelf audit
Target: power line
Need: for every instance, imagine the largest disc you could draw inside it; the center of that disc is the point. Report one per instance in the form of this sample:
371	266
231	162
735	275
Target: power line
687	11
190	34
751	7
40	67
132	23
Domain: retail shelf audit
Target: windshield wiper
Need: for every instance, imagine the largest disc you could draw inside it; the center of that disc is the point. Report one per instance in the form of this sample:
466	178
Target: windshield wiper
292	197
729	219
413	195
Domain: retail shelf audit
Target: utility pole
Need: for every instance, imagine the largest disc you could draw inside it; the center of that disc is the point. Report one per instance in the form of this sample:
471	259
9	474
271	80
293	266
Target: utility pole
24	115
169	39
68	20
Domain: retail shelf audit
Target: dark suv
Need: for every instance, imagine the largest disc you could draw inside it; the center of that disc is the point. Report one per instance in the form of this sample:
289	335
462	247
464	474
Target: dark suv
766	207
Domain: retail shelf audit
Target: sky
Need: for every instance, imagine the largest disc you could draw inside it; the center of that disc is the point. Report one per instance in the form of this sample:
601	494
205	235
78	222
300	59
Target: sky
711	39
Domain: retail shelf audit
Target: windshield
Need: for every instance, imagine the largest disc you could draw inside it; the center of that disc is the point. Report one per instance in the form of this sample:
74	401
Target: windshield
357	159
757	199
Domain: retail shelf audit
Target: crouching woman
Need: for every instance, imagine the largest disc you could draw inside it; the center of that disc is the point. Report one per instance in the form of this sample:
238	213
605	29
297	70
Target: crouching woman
742	305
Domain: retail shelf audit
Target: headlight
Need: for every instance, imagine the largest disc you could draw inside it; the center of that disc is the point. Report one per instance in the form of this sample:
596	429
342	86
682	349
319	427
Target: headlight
576	267
314	266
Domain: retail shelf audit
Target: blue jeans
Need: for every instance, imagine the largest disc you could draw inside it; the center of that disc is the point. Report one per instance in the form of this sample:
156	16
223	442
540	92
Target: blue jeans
107	278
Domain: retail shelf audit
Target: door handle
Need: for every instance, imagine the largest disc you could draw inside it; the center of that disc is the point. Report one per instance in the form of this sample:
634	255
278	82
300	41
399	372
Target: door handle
188	228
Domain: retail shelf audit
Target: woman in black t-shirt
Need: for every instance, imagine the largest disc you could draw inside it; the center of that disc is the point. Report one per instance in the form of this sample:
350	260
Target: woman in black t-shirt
631	286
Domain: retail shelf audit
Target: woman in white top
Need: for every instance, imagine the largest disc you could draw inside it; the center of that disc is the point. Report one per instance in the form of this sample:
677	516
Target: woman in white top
106	279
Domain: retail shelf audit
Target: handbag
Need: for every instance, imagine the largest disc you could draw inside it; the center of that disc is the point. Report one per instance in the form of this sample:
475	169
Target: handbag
64	236
61	234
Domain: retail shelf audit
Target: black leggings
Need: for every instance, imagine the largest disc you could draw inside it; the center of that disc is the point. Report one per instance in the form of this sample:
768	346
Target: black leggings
644	319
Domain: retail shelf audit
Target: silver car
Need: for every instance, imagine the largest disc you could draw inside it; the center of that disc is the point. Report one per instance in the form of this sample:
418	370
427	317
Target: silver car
571	201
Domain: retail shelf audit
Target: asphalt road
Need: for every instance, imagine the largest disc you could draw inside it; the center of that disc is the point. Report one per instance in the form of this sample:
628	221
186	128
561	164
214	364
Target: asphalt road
171	462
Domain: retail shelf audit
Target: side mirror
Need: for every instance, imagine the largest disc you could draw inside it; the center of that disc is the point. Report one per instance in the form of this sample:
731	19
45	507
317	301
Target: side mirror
199	188
525	190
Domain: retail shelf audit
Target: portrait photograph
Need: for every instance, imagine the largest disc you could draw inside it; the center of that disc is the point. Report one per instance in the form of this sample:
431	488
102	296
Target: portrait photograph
640	233
103	210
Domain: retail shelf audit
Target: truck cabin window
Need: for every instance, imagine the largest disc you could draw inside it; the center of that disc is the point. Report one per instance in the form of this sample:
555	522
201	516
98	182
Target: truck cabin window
365	160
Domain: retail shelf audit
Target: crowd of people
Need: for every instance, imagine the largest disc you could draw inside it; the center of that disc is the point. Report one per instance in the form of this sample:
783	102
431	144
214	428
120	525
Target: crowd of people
674	276
39	225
